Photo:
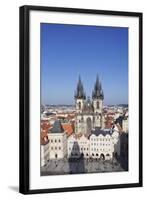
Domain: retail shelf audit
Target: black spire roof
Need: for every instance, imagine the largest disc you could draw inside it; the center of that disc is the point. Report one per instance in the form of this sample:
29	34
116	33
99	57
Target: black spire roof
57	127
97	91
79	93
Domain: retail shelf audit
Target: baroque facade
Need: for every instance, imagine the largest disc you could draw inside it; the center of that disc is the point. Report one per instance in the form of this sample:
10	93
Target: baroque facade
88	113
102	143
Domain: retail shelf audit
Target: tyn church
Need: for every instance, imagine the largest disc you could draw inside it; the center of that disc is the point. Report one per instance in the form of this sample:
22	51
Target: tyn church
88	113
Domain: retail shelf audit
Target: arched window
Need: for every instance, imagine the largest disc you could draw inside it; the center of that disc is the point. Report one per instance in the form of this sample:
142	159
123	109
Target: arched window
97	105
79	105
82	119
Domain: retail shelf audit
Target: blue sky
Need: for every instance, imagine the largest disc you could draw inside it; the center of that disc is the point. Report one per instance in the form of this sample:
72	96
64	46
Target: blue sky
68	51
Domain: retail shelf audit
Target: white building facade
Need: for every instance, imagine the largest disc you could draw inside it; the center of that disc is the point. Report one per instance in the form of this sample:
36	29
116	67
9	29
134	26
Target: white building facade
100	144
57	142
78	146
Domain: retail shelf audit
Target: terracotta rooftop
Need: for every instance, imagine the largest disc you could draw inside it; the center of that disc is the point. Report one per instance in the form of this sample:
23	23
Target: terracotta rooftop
45	125
44	137
68	128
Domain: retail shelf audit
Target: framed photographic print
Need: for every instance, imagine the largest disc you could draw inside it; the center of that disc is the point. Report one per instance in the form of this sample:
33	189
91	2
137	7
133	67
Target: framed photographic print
80	99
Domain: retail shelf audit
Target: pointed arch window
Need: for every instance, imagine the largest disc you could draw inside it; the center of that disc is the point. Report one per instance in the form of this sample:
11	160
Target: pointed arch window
97	105
79	105
82	119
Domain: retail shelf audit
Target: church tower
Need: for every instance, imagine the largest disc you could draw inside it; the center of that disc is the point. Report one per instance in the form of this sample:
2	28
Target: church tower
80	99
79	96
98	96
88	113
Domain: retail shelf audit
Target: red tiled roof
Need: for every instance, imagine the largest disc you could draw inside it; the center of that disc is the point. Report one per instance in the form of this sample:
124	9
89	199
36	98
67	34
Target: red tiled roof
68	128
44	133
44	136
45	125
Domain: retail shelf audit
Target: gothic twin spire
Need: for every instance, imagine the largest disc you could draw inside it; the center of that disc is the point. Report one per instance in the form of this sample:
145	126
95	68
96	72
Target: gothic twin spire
97	92
79	93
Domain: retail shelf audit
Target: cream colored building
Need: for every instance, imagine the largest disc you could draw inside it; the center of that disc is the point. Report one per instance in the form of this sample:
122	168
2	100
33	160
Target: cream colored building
57	142
100	144
78	146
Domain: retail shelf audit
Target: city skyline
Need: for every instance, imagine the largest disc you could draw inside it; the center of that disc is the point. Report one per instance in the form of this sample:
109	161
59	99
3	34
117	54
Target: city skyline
68	51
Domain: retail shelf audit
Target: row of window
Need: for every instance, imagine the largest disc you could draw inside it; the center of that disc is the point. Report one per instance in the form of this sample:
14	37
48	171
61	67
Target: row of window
77	149
55	148
51	141
96	154
83	142
78	154
86	149
94	149
97	105
82	120
101	144
100	139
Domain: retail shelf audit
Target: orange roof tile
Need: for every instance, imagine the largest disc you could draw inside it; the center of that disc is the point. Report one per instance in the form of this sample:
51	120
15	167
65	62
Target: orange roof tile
68	128
45	125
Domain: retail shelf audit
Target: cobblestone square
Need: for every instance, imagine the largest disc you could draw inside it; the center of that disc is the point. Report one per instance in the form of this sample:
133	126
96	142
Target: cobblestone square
75	166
